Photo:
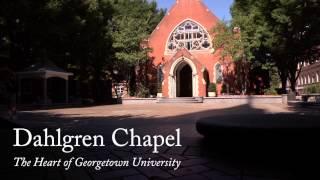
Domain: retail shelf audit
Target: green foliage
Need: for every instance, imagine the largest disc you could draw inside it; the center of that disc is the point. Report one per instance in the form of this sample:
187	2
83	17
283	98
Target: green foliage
224	88
312	89
90	38
283	33
274	82
73	34
228	39
212	87
132	23
270	91
142	91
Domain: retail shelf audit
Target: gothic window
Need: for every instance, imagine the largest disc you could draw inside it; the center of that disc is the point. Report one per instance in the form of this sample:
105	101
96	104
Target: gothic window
160	74
218	75
305	80
313	78
189	35
300	82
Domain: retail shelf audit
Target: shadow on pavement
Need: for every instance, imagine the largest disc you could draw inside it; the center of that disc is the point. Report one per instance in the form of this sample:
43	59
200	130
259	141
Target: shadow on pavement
270	153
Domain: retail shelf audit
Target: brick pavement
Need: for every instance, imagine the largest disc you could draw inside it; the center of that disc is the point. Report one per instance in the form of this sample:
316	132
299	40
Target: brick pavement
199	161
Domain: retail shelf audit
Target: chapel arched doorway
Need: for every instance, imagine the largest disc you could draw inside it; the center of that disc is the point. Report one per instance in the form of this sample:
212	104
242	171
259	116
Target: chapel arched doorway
184	81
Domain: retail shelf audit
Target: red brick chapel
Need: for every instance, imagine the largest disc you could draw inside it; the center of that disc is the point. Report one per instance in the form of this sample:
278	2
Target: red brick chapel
182	47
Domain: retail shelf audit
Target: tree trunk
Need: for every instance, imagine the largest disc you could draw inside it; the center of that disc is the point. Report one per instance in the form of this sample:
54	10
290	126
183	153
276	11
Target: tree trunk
293	81
132	81
293	75
293	84
283	77
282	66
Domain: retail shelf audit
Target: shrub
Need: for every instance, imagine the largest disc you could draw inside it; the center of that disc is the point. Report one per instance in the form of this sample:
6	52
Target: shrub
212	87
270	91
311	89
224	88
142	91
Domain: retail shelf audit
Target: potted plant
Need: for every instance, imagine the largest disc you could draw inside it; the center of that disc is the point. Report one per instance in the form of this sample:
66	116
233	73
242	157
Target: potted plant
212	90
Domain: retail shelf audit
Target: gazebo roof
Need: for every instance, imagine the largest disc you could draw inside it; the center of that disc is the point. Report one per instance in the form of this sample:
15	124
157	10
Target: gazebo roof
44	70
49	66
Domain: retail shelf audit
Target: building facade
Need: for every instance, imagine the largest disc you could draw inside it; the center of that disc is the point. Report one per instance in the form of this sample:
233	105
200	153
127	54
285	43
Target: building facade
183	54
310	74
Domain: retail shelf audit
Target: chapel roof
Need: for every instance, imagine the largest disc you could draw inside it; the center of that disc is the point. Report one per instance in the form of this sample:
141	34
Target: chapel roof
187	9
182	10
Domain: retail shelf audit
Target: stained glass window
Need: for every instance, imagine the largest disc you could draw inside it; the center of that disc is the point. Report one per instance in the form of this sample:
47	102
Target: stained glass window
189	35
218	71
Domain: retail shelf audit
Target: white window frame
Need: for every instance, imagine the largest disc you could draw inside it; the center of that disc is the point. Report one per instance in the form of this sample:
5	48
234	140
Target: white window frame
192	38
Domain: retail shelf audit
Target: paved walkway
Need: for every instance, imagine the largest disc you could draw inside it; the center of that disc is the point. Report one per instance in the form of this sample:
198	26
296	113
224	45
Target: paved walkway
201	159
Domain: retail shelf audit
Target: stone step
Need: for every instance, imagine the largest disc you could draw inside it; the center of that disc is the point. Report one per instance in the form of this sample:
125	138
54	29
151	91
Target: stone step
180	100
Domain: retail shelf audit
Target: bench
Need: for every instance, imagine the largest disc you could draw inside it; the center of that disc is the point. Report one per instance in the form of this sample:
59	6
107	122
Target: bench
315	98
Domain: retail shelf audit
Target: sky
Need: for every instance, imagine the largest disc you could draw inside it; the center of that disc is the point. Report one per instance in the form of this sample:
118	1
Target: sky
220	8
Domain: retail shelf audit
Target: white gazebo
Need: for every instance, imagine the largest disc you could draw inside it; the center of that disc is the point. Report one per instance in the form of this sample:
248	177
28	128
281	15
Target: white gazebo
44	71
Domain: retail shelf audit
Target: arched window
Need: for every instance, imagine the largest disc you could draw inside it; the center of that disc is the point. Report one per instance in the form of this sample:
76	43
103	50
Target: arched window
313	78
305	80
218	73
159	78
189	35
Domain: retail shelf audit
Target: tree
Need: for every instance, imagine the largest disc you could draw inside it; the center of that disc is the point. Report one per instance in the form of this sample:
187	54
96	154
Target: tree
73	34
228	43
132	23
300	21
280	32
87	37
81	42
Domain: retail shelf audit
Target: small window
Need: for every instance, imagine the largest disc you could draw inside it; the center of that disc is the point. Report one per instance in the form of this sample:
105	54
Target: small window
120	89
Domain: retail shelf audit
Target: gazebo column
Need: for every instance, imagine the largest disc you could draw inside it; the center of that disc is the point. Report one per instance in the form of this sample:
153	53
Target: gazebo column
19	90
45	96
67	90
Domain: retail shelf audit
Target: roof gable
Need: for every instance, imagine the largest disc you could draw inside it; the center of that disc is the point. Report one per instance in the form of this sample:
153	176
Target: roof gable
182	10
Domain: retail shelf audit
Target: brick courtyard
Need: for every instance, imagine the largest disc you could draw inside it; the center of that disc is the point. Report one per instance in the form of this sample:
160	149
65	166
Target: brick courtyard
200	159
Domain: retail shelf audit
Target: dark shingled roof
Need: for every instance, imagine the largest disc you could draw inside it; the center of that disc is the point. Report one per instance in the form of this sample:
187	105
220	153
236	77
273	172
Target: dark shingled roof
47	66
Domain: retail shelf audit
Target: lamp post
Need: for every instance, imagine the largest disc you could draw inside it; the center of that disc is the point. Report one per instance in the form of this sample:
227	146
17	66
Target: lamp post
116	83
115	71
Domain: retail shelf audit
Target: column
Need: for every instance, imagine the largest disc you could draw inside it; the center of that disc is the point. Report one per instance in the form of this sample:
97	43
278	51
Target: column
45	98
19	90
67	90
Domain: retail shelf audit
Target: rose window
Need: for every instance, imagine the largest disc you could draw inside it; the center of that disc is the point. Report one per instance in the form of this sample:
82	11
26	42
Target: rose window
189	35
